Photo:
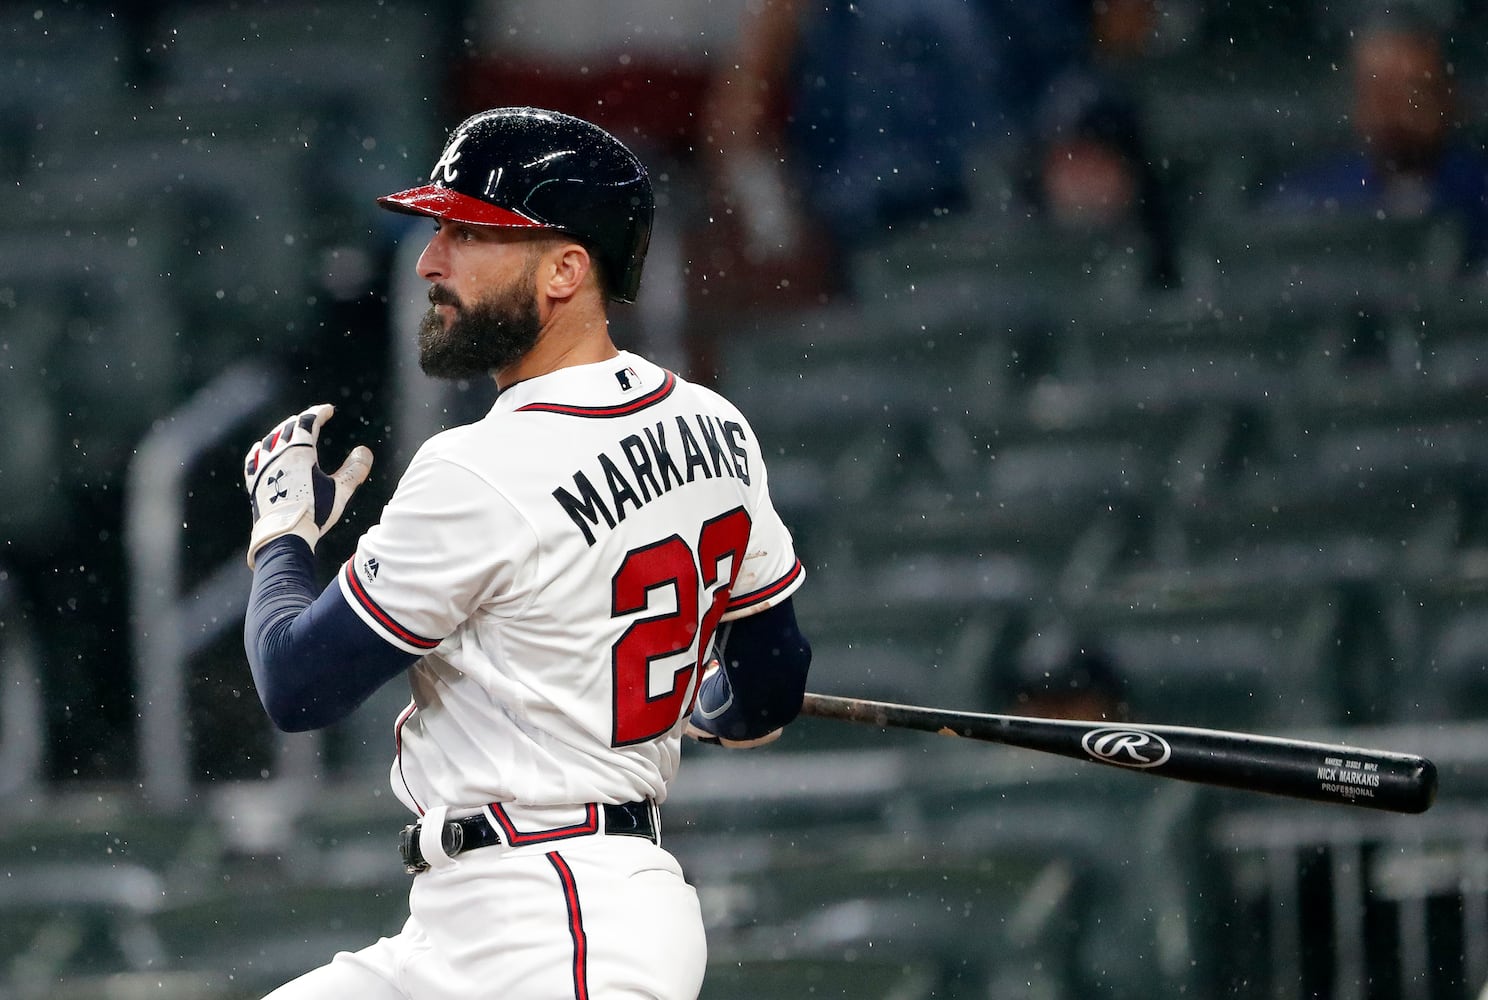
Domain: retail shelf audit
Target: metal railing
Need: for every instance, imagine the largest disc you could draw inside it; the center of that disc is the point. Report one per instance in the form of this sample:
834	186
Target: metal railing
22	721
170	623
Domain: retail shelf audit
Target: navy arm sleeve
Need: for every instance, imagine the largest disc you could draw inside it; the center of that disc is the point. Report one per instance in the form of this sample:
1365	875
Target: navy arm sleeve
313	659
761	682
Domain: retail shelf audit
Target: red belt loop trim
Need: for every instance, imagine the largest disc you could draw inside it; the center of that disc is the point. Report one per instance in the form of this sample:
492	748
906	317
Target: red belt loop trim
516	838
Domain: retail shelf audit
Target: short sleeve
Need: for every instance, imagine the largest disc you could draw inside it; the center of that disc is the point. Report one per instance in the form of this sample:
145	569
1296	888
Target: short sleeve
770	571
447	544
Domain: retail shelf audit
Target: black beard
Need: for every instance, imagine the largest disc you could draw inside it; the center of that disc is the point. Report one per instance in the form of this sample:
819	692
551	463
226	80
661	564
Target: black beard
482	338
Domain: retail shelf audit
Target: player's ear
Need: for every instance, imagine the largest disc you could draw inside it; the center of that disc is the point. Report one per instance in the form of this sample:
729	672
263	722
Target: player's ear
570	265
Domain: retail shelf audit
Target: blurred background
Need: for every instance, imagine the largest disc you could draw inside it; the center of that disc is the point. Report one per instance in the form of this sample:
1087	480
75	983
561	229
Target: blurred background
1114	358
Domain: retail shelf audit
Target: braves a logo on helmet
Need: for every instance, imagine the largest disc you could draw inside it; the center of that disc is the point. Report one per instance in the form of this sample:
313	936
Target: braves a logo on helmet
1126	747
446	163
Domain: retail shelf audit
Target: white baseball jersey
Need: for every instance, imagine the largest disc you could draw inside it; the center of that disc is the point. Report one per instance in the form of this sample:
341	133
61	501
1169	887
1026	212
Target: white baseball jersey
563	564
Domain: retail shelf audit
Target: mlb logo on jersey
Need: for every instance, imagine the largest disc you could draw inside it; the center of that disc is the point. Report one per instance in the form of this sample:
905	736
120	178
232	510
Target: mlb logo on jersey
627	378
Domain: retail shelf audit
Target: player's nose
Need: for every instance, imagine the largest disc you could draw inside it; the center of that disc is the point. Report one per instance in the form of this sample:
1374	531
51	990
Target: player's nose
433	263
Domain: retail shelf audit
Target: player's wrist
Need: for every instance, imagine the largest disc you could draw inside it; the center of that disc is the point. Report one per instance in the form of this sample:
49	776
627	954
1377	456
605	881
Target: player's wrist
298	521
750	744
700	729
695	732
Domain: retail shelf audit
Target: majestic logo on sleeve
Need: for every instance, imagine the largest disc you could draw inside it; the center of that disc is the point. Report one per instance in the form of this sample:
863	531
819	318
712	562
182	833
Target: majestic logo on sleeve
1127	747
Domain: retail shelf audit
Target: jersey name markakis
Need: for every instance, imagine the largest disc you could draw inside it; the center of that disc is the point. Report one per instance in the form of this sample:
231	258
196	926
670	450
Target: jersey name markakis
647	465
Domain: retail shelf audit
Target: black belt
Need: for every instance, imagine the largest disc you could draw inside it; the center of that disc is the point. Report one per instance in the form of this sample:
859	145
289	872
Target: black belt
627	819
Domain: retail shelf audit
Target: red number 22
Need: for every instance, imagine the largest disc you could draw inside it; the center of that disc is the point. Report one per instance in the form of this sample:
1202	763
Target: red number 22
694	579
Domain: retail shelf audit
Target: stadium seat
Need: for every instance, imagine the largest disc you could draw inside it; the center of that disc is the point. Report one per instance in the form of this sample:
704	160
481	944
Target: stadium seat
1249	260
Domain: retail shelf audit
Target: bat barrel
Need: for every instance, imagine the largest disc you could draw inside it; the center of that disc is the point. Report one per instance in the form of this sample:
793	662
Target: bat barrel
1375	779
1321	772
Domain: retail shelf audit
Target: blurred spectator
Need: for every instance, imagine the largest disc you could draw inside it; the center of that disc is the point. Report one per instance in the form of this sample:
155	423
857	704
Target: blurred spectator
1124	30
1061	675
870	113
836	125
1091	171
1412	159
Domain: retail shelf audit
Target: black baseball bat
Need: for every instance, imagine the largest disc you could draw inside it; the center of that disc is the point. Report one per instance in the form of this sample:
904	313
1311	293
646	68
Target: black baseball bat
1320	772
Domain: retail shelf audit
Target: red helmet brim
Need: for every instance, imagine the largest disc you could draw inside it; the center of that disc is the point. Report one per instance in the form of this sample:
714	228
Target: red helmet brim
452	206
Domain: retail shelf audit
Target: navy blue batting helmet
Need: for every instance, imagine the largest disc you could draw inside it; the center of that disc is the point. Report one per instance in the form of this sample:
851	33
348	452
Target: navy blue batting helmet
534	169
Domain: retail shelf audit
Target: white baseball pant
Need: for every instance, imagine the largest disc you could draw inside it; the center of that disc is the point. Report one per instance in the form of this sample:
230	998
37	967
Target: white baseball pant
581	919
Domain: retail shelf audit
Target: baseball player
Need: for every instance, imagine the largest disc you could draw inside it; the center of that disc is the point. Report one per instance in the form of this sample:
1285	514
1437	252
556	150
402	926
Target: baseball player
552	580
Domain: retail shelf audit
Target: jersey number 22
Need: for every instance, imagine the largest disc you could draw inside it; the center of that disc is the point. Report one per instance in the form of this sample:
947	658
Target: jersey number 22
702	584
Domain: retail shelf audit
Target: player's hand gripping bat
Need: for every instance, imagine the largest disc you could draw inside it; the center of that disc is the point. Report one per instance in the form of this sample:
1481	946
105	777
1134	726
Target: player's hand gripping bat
1321	772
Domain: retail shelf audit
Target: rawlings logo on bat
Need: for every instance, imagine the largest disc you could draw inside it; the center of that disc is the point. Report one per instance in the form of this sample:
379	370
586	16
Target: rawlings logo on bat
1126	747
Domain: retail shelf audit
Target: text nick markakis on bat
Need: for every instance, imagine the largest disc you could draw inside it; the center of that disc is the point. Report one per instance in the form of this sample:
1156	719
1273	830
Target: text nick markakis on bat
648	465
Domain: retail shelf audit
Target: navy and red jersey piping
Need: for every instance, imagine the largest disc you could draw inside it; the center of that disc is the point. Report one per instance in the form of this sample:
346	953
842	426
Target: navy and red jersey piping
625	409
739	601
403	718
354	584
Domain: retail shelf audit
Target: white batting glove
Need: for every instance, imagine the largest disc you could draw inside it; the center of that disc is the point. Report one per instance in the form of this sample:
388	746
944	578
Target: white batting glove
698	723
289	493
